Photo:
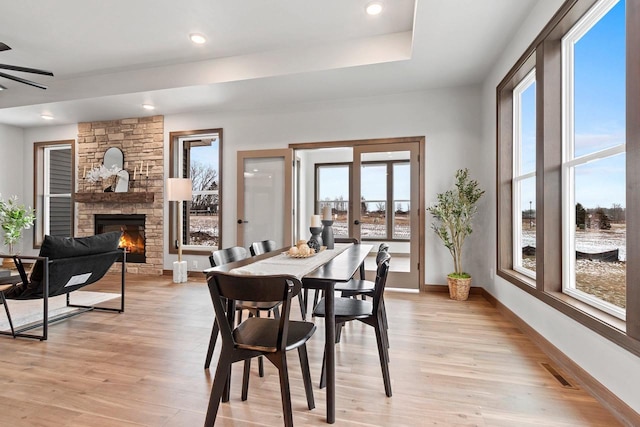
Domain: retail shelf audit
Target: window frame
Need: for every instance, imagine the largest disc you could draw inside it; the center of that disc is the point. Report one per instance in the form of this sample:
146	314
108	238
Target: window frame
40	181
546	55
571	162
175	162
389	201
518	176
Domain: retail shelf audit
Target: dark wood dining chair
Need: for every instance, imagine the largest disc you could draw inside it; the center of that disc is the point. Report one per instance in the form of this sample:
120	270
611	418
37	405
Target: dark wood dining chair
259	248
361	287
265	246
225	256
361	269
256	336
368	312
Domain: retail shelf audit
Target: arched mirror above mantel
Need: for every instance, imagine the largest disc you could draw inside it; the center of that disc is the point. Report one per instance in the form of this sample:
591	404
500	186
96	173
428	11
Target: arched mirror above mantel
113	157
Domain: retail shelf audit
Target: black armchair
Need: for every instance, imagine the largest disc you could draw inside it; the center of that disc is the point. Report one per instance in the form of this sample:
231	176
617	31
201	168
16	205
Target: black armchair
64	265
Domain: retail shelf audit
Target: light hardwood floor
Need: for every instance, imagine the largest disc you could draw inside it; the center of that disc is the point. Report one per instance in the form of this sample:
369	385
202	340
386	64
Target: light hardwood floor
452	364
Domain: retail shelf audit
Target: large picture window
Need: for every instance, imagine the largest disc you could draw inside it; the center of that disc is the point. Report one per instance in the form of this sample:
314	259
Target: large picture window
197	155
594	178
53	188
576	191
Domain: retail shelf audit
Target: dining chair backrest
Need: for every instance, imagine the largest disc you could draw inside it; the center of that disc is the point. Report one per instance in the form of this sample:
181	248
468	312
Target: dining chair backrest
225	256
382	252
255	289
259	248
381	280
346	240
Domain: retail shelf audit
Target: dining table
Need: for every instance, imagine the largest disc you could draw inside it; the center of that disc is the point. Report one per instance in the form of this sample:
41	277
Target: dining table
322	272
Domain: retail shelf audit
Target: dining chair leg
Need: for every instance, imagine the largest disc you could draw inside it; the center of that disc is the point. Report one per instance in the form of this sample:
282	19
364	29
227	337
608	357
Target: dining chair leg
306	376
384	314
280	360
219	385
245	379
385	337
339	327
323	372
212	343
303	307
260	358
386	377
227	387
305	299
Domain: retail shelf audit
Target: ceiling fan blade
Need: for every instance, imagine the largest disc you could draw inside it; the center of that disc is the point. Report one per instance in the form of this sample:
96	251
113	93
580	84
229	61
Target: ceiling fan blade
26	70
4	47
27	82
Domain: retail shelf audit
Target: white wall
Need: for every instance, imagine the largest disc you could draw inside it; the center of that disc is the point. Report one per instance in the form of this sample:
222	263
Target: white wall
614	367
447	117
11	171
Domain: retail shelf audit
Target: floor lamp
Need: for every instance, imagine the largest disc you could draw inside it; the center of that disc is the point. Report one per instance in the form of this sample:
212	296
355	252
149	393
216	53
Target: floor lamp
179	190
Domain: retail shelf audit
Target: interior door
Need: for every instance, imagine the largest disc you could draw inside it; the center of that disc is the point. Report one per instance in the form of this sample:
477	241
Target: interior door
265	197
385	206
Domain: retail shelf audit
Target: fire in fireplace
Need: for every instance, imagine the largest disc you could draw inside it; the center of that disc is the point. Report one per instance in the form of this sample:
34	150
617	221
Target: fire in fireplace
133	237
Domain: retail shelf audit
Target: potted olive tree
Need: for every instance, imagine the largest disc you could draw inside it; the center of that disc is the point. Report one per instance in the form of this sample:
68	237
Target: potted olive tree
453	213
13	219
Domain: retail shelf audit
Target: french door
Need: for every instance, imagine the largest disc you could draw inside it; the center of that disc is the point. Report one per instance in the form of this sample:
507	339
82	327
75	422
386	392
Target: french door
264	204
385	206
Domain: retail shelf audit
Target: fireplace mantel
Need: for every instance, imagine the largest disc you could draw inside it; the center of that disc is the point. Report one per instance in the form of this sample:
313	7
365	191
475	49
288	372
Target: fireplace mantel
140	197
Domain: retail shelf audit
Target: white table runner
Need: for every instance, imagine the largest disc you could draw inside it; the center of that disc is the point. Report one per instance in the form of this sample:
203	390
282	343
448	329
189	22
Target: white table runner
284	264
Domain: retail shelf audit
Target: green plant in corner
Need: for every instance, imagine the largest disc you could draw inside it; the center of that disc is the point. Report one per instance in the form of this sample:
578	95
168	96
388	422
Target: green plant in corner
453	213
13	219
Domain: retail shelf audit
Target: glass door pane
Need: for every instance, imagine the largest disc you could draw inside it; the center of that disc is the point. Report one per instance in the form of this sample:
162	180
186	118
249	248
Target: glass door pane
373	199
386	186
265	197
333	191
401	201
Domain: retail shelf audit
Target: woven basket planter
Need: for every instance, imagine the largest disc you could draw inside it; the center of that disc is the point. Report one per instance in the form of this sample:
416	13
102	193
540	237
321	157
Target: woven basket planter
459	288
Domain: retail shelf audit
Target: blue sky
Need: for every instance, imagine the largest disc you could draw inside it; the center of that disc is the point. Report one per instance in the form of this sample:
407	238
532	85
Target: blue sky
599	113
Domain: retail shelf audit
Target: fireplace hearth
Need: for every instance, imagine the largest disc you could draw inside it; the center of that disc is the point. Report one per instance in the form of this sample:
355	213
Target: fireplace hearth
133	234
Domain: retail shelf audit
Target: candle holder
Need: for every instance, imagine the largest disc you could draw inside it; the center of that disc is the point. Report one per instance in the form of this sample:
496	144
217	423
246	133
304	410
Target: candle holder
327	233
315	241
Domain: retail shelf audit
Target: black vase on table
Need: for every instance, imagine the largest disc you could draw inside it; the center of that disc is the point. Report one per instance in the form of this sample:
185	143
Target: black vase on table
315	241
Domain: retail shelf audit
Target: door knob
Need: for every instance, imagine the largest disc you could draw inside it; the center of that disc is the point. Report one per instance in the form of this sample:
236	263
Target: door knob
242	222
356	222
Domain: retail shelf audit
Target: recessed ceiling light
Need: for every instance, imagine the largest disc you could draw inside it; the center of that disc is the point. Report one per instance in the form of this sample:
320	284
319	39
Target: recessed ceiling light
374	8
148	107
197	38
46	117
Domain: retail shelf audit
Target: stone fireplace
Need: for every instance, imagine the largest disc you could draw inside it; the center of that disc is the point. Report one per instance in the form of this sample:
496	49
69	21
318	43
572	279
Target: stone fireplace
141	140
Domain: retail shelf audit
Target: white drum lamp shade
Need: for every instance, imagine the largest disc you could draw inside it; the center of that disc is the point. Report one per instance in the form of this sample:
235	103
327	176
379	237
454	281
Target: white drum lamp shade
179	189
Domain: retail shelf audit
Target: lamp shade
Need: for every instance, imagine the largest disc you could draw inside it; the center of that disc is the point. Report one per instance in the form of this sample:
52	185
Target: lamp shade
179	189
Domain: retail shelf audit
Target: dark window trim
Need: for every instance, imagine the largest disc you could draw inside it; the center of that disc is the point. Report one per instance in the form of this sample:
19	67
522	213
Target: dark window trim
545	54
38	184
173	147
